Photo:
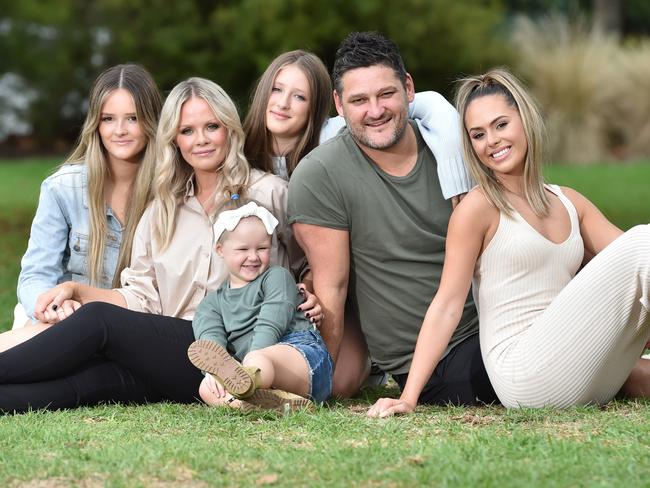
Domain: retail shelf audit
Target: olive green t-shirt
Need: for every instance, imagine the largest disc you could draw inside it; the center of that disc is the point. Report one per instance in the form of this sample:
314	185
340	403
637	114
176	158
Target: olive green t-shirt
397	228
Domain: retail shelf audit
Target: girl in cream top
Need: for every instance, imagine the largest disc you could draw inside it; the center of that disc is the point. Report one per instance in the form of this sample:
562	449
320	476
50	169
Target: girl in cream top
548	337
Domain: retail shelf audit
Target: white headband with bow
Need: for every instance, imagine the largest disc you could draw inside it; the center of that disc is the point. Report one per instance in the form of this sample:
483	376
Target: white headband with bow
228	220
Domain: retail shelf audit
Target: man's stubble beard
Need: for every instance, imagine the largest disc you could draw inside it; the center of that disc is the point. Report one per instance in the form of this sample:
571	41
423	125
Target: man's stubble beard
398	133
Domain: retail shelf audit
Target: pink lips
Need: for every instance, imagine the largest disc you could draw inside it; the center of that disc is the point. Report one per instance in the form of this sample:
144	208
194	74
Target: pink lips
279	115
204	153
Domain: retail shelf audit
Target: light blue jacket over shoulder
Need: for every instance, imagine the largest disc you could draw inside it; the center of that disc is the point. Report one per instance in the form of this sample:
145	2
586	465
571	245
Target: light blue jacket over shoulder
439	124
58	242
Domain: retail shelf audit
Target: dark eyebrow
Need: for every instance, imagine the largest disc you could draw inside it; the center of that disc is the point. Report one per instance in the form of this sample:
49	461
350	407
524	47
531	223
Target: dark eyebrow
491	122
382	89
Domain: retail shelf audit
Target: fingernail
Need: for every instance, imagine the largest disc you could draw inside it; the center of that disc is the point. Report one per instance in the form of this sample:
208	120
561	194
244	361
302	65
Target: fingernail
55	306
307	314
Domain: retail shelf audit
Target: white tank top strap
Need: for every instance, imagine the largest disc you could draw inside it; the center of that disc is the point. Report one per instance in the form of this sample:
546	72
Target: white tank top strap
573	213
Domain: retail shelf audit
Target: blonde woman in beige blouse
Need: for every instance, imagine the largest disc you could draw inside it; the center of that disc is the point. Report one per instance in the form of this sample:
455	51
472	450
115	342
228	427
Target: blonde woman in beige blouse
199	148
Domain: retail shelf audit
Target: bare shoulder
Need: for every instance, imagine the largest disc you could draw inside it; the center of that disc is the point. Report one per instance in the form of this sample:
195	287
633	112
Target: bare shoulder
579	201
475	211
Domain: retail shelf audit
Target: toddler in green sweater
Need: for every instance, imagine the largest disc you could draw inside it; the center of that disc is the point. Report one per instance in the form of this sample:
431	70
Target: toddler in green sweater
257	349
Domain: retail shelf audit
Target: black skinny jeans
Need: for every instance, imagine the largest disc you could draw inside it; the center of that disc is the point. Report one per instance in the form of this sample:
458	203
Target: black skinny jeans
102	353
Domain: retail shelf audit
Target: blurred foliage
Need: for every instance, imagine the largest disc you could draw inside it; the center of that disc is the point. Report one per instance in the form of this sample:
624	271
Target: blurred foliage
58	47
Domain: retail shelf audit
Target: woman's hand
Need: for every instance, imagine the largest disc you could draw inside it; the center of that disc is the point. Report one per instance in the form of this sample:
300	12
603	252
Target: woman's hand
56	304
67	308
212	392
311	306
385	407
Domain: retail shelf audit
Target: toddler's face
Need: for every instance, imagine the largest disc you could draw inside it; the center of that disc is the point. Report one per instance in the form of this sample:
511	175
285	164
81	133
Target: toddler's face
246	251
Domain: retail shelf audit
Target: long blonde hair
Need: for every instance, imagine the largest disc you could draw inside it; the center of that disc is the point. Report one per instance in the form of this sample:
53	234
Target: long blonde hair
173	172
90	151
501	82
259	141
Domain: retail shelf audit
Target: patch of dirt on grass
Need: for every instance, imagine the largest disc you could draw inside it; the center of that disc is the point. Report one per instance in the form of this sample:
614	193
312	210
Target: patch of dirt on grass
475	419
61	482
183	476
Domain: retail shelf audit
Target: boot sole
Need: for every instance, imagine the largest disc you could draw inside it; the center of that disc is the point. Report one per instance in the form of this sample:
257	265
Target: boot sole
210	357
275	400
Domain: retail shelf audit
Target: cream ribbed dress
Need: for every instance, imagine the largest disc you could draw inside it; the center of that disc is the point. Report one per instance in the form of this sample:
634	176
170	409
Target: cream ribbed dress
549	338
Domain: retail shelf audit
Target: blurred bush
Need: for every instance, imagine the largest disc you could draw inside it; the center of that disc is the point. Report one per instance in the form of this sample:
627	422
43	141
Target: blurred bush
58	47
595	89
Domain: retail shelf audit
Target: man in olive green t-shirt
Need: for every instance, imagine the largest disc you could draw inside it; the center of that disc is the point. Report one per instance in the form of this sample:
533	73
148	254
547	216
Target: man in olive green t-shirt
368	210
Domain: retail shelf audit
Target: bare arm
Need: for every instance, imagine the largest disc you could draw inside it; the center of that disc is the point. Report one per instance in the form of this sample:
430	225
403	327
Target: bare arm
48	303
468	227
328	254
597	232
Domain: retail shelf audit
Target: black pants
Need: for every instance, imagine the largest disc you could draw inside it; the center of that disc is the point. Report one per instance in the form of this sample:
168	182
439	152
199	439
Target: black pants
459	379
101	353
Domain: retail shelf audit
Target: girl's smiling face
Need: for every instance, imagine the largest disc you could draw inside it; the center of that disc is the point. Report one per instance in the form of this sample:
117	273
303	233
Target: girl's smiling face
246	250
497	134
119	129
287	111
201	138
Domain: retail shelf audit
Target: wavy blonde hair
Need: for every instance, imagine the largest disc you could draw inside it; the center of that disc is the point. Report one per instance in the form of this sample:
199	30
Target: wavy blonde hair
259	141
173	172
500	81
90	151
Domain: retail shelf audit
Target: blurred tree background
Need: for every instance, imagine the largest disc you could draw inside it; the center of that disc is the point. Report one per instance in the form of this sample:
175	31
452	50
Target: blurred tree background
50	52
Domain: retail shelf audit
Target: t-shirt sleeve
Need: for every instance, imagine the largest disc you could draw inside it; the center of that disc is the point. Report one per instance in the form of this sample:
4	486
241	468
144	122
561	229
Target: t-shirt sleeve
208	321
276	314
315	196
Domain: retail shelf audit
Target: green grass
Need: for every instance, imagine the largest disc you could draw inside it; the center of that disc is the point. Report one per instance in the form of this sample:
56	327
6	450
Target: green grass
621	192
176	445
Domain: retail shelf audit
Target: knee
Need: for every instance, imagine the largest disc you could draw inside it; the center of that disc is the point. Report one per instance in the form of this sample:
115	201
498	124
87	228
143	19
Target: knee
255	358
93	309
348	381
639	234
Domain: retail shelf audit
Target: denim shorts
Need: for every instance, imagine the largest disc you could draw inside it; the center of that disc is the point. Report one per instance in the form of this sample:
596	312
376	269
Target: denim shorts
310	344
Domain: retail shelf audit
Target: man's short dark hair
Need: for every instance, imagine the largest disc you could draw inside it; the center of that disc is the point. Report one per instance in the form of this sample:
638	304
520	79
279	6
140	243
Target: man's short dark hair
364	49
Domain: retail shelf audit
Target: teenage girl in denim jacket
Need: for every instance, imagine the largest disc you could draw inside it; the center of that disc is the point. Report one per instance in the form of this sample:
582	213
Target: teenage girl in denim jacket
89	208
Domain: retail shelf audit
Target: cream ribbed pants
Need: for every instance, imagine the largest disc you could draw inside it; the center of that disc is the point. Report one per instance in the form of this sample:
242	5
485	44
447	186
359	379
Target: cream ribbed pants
581	349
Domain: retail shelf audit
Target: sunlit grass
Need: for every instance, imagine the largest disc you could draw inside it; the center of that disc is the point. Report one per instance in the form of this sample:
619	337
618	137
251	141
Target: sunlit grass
196	446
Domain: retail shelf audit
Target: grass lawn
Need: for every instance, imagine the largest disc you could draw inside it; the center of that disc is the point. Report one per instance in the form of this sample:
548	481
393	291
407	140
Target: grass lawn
174	445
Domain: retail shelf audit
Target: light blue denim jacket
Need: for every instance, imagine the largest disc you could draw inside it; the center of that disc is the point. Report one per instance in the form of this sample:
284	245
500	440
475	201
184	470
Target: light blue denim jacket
58	242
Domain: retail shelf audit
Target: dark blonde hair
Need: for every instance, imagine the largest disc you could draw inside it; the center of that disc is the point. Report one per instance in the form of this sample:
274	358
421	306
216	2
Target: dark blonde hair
259	141
500	81
91	152
173	172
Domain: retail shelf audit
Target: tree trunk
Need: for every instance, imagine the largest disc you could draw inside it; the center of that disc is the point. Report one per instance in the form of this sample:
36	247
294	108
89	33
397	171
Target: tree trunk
607	15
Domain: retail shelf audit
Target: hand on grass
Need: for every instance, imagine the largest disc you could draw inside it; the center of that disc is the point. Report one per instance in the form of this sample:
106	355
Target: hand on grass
56	304
385	407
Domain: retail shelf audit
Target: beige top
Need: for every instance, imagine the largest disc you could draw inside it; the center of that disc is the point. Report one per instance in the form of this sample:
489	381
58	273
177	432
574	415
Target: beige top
518	275
174	281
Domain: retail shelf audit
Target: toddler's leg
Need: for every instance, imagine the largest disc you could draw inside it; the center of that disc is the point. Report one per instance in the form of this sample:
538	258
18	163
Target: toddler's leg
281	367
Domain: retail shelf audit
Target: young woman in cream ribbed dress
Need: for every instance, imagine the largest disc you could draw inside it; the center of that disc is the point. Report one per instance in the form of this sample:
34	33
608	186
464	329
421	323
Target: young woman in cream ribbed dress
548	337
